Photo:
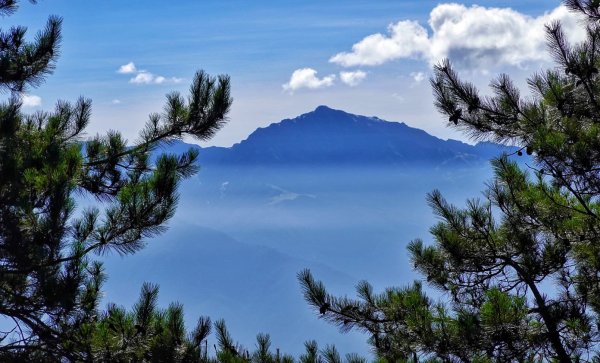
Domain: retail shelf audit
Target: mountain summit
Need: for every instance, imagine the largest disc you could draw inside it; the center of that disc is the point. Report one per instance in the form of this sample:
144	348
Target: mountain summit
328	136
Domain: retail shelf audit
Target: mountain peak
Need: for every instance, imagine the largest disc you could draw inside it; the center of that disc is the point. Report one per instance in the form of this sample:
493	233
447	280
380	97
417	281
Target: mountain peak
326	112
329	136
323	108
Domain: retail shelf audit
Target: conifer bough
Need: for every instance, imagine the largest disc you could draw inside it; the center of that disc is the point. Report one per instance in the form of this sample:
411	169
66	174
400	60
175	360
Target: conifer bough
49	284
520	269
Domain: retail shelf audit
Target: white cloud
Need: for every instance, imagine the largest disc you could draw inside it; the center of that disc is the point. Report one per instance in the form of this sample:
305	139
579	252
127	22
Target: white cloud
144	77
418	76
116	102
352	78
469	36
31	100
407	39
127	68
307	78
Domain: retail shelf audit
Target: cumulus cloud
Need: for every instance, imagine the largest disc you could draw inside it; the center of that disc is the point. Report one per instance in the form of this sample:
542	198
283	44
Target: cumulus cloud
127	68
407	39
307	78
469	36
145	77
31	100
352	78
142	78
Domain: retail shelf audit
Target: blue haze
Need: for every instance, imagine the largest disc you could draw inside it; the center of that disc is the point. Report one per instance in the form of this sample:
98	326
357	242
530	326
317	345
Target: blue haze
338	193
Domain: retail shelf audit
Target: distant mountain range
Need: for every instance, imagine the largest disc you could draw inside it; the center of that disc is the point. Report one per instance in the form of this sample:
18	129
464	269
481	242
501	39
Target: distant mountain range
338	193
327	136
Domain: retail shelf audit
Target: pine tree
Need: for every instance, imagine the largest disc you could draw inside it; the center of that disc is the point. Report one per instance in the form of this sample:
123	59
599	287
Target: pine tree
519	270
49	282
149	334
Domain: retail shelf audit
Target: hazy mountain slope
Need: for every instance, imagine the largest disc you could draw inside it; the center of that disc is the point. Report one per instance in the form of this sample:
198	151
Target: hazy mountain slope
338	193
251	287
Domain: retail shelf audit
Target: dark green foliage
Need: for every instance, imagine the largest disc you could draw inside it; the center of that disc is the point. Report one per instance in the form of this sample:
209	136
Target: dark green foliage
45	247
149	334
518	270
49	284
23	63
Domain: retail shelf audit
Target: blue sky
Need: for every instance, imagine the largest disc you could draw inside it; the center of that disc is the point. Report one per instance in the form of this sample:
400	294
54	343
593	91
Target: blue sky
284	57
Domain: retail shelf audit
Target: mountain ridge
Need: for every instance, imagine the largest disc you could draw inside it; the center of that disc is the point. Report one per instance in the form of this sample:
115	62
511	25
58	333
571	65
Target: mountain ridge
327	136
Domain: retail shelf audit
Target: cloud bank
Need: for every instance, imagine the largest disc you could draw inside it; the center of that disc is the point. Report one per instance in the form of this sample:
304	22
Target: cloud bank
468	36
